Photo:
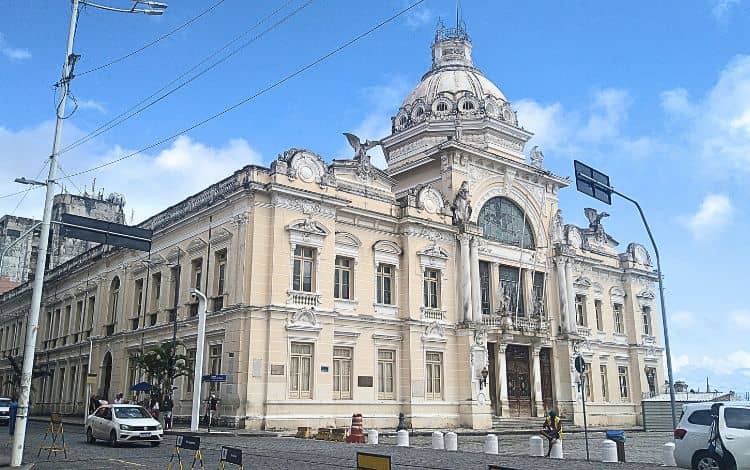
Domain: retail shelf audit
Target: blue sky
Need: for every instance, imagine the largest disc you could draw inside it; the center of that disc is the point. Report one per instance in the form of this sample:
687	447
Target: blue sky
657	94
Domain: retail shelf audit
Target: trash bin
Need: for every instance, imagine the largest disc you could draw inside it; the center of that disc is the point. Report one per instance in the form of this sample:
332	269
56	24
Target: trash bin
619	438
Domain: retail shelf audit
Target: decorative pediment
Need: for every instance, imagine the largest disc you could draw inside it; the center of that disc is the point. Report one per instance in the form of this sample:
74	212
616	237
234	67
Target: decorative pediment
582	282
305	165
308	226
646	294
434	332
617	292
434	251
433	257
220	235
636	253
597	288
387	252
196	245
303	320
430	200
347	244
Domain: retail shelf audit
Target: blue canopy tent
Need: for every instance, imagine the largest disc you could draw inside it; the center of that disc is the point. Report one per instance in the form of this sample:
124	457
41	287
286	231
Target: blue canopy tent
141	387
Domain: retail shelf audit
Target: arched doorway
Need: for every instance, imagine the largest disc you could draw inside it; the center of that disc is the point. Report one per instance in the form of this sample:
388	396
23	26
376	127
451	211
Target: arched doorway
106	375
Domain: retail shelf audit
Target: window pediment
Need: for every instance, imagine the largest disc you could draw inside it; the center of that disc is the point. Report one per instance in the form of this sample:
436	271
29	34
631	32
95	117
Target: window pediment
433	256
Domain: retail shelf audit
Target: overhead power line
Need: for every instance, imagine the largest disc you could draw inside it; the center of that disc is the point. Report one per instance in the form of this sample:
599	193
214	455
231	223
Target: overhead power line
258	93
137	108
155	41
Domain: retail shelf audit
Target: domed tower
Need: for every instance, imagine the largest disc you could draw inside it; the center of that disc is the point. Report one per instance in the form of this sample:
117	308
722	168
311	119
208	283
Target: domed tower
454	101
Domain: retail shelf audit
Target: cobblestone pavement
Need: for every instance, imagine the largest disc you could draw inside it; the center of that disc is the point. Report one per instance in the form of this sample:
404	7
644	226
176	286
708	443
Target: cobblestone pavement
288	453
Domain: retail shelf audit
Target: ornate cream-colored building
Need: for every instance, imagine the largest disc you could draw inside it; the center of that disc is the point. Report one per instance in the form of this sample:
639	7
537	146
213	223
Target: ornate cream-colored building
338	288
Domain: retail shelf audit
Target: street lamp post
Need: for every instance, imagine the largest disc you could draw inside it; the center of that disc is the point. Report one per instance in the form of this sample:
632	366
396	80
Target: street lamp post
198	357
32	325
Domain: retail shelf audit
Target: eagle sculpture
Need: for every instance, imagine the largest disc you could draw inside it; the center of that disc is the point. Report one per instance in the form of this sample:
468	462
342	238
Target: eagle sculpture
360	148
595	218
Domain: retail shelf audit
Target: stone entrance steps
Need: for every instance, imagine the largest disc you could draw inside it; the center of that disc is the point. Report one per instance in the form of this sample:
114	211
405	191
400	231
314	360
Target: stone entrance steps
526	425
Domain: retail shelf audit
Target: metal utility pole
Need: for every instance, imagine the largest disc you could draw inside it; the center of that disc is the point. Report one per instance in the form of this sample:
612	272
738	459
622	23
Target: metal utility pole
198	358
32	324
596	184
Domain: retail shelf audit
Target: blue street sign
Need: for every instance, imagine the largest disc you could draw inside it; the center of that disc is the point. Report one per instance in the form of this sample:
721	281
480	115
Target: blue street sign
215	378
592	182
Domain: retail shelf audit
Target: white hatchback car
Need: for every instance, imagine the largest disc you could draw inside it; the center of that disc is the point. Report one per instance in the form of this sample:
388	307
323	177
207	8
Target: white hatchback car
123	423
694	430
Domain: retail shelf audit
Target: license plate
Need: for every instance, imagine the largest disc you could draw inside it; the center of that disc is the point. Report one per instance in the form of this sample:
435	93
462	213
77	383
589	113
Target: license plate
145	434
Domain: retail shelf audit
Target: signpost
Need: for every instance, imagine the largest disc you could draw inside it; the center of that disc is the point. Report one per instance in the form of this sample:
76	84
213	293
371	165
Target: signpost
216	378
596	184
107	233
581	368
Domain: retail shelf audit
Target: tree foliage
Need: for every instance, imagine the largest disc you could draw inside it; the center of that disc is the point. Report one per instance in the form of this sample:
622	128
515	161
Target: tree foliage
16	363
156	365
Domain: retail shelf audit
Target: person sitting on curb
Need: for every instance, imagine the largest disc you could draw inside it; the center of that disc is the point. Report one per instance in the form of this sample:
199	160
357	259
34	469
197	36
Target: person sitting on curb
552	429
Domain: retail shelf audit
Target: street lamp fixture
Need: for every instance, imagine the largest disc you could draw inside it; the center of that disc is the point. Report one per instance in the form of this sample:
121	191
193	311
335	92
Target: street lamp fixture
156	8
23	180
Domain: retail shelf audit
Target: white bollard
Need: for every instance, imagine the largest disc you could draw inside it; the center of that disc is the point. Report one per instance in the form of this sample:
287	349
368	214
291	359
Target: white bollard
402	438
667	455
451	441
490	444
438	443
536	446
557	450
372	436
609	451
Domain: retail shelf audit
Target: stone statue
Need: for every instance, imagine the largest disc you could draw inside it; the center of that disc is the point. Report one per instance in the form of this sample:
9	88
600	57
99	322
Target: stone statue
461	206
557	227
595	219
538	307
537	157
361	148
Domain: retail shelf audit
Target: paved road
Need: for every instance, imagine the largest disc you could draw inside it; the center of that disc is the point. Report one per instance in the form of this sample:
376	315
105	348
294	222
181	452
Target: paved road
272	454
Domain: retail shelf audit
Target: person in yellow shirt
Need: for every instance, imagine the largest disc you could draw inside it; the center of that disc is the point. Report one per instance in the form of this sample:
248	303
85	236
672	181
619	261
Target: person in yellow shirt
552	429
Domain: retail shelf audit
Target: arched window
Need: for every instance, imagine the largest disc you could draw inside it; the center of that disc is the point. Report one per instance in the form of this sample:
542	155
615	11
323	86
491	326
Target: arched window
467	106
403	120
442	107
503	221
114	299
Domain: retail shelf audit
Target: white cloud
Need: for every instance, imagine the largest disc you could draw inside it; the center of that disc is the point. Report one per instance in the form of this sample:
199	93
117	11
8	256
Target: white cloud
721	9
549	123
150	182
712	216
418	17
608	111
681	319
92	104
740	319
383	102
680	362
677	103
13	53
731	363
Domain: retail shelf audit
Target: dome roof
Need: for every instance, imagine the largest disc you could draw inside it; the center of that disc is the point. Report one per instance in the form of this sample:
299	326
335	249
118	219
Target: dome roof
453	87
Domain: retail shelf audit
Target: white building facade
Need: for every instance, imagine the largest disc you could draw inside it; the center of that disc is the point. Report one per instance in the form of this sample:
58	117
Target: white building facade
445	287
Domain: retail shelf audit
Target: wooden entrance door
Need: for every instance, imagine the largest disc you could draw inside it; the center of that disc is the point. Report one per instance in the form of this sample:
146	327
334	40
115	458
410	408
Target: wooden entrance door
492	379
519	380
545	363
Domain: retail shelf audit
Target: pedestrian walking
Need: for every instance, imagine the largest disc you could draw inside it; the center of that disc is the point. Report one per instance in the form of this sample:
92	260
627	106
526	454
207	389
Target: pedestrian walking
168	405
212	405
155	408
12	415
118	399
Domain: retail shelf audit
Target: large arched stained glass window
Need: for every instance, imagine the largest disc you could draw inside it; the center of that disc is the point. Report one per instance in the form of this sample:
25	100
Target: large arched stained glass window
503	221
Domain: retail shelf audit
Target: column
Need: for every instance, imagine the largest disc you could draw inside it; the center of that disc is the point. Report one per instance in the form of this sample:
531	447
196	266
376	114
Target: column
537	375
476	292
495	285
570	296
528	293
563	290
465	278
502	379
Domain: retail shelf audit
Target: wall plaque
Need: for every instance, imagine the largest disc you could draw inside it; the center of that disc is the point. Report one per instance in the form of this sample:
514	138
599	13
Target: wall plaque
364	381
277	369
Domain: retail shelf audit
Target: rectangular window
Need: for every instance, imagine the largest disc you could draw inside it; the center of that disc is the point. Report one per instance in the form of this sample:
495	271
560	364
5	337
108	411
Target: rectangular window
304	263
598	312
538	292
431	288
342	373
174	274
484	287
434	375
155	292
214	362
79	317
65	327
622	373
300	370
386	362
605	383
617	314
138	297
580	310
197	273
510	290
385	284
190	365
221	271
342	278
646	313
587	383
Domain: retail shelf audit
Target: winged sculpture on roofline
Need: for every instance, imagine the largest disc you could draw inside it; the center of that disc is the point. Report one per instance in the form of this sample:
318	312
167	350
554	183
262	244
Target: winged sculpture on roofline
360	153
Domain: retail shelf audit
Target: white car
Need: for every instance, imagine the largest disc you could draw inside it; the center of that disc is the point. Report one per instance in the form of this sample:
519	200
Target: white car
4	411
694	430
123	423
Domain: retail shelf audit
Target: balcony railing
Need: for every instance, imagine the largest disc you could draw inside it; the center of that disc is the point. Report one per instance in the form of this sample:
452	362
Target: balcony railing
521	323
432	314
583	331
303	299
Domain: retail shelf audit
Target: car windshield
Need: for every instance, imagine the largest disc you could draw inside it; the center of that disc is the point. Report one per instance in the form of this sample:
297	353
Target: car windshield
4	402
131	412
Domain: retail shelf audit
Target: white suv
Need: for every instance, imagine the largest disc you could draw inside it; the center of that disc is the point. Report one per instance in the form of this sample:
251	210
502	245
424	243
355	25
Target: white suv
693	432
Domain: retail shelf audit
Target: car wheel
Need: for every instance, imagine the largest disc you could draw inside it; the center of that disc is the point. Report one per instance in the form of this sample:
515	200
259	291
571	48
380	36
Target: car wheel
90	436
155	444
705	460
113	438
